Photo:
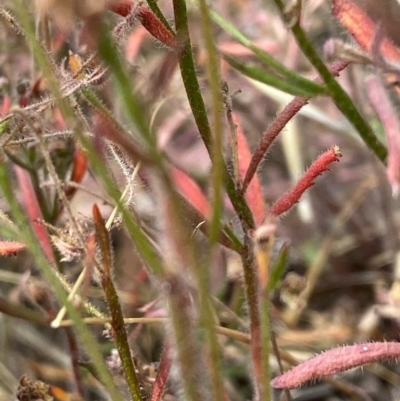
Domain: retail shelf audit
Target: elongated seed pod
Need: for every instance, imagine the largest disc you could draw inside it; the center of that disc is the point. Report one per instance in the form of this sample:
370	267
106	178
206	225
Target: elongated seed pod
336	360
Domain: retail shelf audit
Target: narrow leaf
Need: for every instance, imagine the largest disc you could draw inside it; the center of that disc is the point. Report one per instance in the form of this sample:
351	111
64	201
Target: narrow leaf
278	267
253	196
162	374
336	360
288	200
103	240
262	75
191	192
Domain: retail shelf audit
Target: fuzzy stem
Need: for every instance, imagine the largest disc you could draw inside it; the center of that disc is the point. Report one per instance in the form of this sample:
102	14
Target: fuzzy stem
186	343
117	319
263	241
143	244
252	297
217	107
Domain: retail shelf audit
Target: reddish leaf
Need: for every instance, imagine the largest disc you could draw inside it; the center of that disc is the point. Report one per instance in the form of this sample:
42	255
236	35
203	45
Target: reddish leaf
191	192
363	29
162	374
279	123
155	27
59	120
254	196
147	18
337	360
134	42
5	105
381	103
122	7
60	393
33	211
78	171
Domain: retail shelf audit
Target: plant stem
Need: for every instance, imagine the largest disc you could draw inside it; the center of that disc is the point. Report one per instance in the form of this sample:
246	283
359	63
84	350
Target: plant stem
252	296
117	318
197	105
212	66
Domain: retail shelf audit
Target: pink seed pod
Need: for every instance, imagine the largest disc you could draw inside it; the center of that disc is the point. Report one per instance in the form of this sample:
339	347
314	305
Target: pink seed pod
336	360
289	199
8	248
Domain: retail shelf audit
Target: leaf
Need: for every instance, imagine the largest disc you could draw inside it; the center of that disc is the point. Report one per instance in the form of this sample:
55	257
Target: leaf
278	267
103	240
162	374
254	72
336	360
262	55
5	106
254	196
79	169
289	199
33	211
191	192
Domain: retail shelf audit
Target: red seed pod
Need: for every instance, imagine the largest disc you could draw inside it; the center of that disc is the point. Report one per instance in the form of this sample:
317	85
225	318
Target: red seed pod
288	200
155	27
122	8
336	360
147	18
8	248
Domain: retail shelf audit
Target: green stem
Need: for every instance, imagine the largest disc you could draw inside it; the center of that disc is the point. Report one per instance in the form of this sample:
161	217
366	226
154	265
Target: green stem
117	318
203	276
252	297
121	339
212	66
197	105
